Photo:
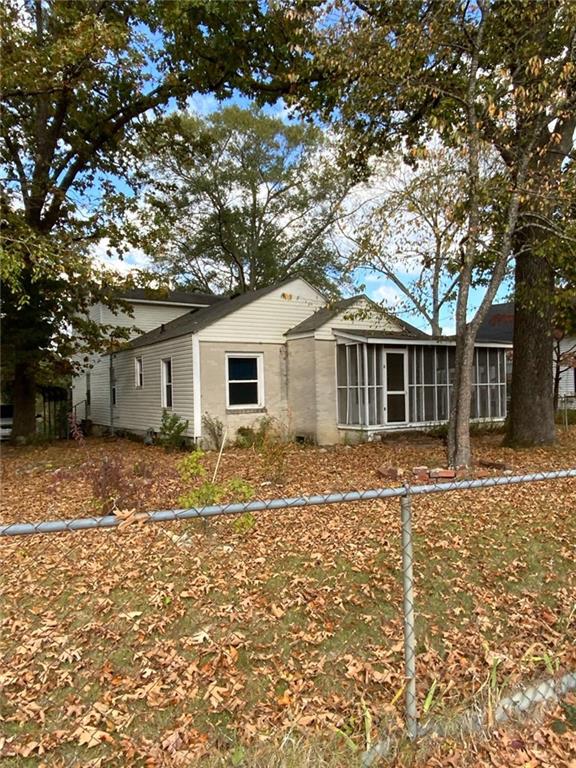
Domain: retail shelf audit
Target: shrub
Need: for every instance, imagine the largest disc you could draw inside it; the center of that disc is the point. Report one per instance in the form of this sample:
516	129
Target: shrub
172	428
239	489
204	496
191	468
115	487
272	444
213	429
245	437
244	523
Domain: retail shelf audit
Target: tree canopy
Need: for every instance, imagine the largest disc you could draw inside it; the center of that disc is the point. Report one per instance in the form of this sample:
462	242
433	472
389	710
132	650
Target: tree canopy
240	199
80	80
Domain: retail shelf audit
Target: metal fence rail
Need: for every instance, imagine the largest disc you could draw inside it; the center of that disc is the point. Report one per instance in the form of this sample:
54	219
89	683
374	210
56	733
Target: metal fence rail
163	516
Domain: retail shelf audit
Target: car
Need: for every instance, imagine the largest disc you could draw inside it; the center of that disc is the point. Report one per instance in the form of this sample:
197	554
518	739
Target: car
6	415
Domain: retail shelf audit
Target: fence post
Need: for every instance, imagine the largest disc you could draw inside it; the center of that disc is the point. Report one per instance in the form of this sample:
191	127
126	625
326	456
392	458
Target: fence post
409	628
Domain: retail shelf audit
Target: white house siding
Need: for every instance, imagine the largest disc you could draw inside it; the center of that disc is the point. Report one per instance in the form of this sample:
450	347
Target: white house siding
214	383
361	316
266	320
146	316
568	378
139	408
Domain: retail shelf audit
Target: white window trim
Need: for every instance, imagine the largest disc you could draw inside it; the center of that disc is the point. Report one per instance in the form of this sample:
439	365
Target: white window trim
259	381
164	382
138	372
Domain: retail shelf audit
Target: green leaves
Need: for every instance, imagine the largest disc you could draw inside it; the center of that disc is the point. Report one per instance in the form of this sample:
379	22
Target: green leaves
240	200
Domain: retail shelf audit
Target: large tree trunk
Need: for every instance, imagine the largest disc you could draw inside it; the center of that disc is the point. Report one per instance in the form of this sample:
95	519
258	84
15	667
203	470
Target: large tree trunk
531	419
24	401
459	445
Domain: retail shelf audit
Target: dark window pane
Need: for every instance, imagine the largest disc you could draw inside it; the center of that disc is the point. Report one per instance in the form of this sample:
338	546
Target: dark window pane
342	397
372	419
243	394
394	372
442	404
242	368
168	396
493	369
168	371
483	413
396	408
482	355
494	402
429	404
451	364
428	365
353	407
441	366
341	365
353	365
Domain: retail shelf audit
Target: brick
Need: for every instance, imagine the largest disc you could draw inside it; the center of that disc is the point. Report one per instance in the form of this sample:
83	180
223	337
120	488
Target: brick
446	474
420	470
390	473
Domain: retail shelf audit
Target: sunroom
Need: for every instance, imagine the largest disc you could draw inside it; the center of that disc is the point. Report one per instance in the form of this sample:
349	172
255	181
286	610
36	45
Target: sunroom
383	384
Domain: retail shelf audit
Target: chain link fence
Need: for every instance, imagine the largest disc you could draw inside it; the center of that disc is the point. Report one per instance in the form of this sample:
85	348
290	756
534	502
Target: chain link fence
143	634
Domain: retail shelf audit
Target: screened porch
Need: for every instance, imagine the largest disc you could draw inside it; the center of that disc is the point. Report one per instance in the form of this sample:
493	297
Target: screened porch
381	386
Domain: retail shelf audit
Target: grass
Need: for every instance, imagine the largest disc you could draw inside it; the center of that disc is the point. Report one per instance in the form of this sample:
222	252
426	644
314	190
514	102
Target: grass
267	644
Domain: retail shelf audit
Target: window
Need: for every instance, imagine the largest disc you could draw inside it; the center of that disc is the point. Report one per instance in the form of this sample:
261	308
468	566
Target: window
167	383
244	381
138	373
88	392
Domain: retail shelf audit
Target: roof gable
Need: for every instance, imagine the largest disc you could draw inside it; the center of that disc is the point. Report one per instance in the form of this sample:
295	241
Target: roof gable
357	311
198	319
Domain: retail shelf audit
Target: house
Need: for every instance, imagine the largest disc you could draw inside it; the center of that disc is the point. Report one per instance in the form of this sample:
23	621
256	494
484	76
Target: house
498	326
330	371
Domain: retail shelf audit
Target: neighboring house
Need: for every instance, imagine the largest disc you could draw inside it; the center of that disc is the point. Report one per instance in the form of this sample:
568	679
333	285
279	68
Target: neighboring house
329	371
498	326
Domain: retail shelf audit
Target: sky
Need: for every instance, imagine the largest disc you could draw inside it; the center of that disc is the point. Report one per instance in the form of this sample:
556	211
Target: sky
375	286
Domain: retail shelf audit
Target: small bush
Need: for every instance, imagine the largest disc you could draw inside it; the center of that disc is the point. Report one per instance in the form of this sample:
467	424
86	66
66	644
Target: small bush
171	434
239	490
272	445
244	523
204	496
213	429
245	437
115	487
191	467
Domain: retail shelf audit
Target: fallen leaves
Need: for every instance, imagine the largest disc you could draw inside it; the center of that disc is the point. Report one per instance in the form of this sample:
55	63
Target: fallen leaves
135	647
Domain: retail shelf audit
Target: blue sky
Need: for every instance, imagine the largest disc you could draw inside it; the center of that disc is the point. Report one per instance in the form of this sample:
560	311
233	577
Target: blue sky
375	286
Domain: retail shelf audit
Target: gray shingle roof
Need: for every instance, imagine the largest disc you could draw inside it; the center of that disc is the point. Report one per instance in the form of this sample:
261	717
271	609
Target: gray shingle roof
175	297
498	325
197	319
409	333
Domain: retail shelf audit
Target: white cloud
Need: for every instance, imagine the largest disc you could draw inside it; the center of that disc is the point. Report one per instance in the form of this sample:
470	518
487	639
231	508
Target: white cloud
132	263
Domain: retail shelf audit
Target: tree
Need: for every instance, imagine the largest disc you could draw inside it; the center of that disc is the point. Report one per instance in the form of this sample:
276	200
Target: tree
79	81
240	200
409	233
400	70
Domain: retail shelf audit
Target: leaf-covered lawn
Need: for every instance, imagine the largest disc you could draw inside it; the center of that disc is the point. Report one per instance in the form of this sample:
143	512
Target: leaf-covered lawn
163	644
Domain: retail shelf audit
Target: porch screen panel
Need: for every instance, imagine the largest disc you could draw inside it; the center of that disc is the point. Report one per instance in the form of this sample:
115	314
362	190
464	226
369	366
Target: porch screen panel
488	399
360	385
430	375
